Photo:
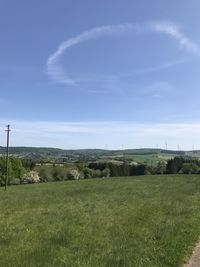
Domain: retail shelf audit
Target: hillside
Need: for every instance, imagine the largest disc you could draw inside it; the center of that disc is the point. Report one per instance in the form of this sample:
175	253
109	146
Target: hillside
143	155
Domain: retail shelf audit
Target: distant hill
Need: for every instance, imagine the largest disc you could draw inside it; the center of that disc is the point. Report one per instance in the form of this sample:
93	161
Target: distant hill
48	152
77	154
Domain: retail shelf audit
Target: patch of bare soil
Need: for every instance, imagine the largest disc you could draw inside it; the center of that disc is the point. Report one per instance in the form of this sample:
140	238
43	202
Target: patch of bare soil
195	258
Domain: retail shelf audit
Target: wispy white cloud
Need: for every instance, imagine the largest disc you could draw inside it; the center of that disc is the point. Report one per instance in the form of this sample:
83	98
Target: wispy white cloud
58	74
173	30
54	69
96	134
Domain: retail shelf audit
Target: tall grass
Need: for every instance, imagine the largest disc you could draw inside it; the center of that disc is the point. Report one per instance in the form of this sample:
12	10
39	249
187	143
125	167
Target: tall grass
146	221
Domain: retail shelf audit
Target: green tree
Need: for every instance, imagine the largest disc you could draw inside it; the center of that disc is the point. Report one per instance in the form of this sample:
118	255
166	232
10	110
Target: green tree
17	170
189	168
161	167
58	173
2	170
45	173
174	165
97	174
105	173
88	173
28	163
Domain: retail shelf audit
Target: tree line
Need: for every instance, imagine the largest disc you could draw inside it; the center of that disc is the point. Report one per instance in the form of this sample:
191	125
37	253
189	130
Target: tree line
27	171
183	166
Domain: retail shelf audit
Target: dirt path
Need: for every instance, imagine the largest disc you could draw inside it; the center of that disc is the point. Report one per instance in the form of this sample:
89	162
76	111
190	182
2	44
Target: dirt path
195	258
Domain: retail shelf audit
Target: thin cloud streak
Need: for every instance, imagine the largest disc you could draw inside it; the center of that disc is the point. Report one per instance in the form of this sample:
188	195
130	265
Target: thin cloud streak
56	72
103	127
53	68
91	134
175	32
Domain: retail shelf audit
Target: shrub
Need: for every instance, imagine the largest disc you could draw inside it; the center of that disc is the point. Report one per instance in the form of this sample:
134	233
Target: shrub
74	175
32	177
97	174
45	173
106	173
58	173
189	168
88	173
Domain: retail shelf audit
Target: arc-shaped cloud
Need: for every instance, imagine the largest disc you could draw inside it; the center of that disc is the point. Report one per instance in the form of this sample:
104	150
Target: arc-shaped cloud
56	72
174	31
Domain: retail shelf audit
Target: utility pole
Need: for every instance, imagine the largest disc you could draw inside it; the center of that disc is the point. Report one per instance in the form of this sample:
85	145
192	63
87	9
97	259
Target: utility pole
7	155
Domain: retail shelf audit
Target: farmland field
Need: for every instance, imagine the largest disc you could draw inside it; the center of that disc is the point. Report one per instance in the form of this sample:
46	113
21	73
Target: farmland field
150	159
141	221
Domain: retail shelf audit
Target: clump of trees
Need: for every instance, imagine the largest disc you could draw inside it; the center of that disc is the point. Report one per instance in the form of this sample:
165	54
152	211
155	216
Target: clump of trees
183	166
27	171
15	170
70	172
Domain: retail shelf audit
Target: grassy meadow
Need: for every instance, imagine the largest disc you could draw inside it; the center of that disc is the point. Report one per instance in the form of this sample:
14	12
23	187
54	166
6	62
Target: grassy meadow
150	159
141	221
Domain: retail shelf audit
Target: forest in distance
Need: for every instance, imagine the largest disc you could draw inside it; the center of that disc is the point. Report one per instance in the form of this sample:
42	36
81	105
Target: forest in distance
47	166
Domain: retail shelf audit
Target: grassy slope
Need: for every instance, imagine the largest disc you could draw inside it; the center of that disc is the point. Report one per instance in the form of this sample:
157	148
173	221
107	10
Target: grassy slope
134	221
150	159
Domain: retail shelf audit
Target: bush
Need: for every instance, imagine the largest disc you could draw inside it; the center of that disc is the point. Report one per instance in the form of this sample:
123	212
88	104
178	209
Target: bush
97	174
58	173
106	173
138	169
15	170
32	177
74	175
97	165
45	173
189	168
174	165
88	173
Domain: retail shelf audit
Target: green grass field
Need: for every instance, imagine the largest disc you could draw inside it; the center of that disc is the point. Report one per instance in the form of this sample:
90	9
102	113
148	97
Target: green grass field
133	221
150	159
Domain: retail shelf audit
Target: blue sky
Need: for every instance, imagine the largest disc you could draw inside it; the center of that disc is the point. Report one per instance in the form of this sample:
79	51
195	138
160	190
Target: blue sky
100	74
